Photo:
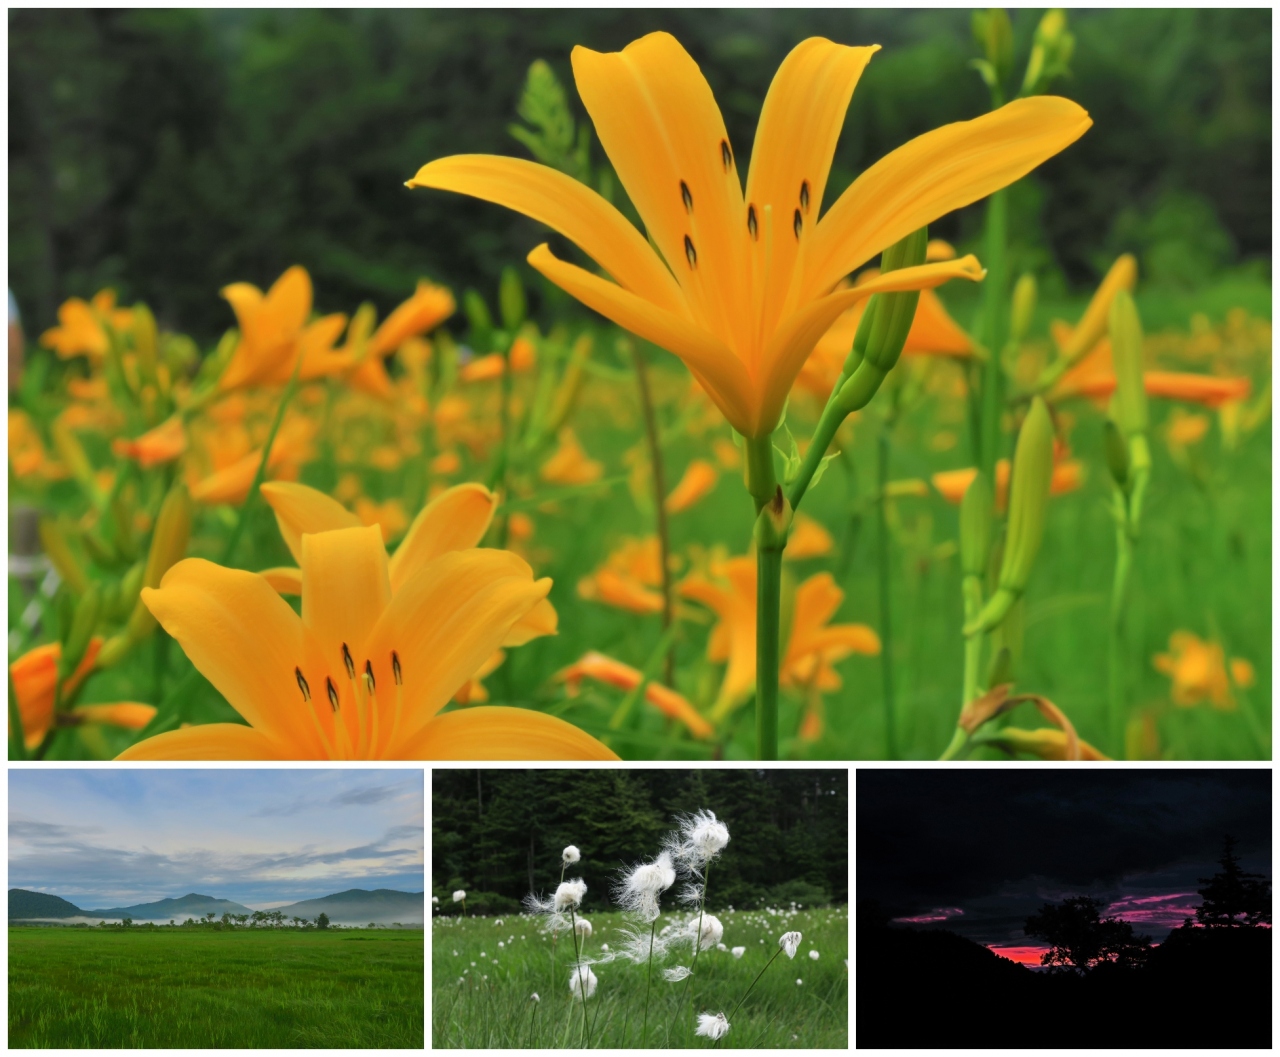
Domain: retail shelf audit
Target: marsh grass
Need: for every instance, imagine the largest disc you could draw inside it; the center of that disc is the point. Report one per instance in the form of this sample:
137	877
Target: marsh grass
498	1012
76	988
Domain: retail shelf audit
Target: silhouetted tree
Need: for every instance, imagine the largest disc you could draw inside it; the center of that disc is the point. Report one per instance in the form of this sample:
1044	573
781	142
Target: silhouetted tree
1233	894
1082	939
322	922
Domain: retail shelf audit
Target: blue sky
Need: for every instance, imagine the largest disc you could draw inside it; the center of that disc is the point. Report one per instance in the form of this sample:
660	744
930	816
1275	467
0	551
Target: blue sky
103	838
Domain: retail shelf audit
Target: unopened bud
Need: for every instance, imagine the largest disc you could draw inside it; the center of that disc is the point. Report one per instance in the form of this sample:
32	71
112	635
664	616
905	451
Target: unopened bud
570	385
1123	275
168	546
1024	307
511	301
896	311
84	620
1001	671
975	526
477	313
1116	450
1126	353
994	35
72	453
129	588
145	341
1028	503
56	547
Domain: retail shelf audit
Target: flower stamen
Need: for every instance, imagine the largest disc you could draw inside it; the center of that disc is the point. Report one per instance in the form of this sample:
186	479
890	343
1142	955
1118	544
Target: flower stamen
348	662
690	253
753	228
686	197
804	195
302	685
726	155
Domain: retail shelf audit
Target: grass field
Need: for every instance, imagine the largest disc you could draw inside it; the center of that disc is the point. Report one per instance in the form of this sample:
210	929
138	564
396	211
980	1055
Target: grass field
482	993
74	988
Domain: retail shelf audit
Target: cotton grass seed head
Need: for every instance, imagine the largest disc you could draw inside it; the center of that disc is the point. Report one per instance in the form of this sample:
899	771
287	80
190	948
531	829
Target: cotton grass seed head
583	927
638	891
569	894
534	997
459	896
570	855
713	1027
712	932
790	942
738	952
701	838
813	955
580	978
676	973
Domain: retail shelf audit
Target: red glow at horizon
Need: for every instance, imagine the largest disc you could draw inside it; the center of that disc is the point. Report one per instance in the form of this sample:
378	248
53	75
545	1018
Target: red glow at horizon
1022	955
936	914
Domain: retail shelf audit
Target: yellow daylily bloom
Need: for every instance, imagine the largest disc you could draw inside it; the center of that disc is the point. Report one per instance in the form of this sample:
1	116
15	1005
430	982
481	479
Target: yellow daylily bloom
364	670
598	666
429	306
157	446
455	520
629	578
700	477
1199	672
741	286
274	332
80	330
569	463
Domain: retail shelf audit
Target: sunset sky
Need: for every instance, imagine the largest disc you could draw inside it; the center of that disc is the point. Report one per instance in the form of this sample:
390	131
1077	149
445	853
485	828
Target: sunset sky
978	851
106	838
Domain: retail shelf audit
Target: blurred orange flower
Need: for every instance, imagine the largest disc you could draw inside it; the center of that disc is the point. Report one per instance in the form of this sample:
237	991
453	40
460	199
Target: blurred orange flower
604	669
158	446
1199	672
80	330
699	479
569	464
628	578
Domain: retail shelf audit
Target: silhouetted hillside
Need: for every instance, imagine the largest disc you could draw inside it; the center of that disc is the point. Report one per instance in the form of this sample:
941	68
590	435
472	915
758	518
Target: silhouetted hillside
359	907
30	906
932	988
191	905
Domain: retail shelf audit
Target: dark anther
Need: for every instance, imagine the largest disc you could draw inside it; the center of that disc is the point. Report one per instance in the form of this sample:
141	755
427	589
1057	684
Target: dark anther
346	659
804	195
752	226
726	155
395	668
797	224
302	684
686	197
690	253
333	693
368	674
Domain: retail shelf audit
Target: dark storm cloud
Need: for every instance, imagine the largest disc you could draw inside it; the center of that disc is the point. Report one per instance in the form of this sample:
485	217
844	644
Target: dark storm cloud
1001	842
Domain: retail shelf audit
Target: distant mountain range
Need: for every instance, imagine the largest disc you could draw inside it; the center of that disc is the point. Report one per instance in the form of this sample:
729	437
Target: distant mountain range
352	907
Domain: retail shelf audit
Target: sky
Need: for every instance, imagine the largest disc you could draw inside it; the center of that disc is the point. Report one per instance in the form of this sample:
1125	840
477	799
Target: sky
116	837
977	851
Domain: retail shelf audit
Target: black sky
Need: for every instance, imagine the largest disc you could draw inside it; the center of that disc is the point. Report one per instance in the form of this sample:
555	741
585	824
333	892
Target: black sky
995	844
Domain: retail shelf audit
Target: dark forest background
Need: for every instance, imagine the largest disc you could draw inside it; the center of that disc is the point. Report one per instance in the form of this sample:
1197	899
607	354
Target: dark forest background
167	153
498	834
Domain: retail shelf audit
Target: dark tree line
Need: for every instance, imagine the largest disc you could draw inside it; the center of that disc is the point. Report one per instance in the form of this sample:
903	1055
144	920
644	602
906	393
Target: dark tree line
169	152
498	834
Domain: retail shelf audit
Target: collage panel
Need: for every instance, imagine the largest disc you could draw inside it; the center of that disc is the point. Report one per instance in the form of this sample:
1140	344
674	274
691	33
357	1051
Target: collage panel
645	908
232	908
1112	909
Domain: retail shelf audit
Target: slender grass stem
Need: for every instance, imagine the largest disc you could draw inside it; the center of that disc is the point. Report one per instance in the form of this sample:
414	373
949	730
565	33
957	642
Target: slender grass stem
697	939
644	1034
882	568
658	474
753	984
1116	644
582	983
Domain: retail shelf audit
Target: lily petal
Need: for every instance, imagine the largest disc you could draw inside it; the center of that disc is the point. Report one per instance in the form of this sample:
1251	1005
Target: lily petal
496	732
717	369
795	338
345	589
541	620
658	122
455	520
286	579
932	175
301	509
564	205
447	620
244	638
209	741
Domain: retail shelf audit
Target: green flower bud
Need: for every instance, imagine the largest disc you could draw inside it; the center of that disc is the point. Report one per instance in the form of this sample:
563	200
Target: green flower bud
975	526
1117	453
477	313
511	301
1126	353
145	341
1028	497
168	546
83	622
1024	307
1001	671
993	33
130	586
55	545
895	312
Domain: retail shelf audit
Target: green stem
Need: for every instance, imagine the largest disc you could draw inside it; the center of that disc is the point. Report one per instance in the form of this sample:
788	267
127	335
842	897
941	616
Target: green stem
972	589
582	983
644	1034
498	475
882	564
768	648
1116	645
261	473
959	740
658	474
823	434
753	984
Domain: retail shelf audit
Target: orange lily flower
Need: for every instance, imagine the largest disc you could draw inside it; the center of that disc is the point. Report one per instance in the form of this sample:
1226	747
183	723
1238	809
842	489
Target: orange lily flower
379	649
35	682
274	331
157	446
231	484
1094	378
26	450
1199	672
741	286
699	479
487	368
629	578
1068	475
1082	339
569	464
812	648
389	516
80	330
429	306
808	539
604	669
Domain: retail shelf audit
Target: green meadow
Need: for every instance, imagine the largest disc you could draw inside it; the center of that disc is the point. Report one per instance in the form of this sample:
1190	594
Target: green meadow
151	988
482	993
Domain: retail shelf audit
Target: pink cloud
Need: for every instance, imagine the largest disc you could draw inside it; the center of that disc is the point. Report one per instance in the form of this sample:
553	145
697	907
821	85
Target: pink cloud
936	914
1022	955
